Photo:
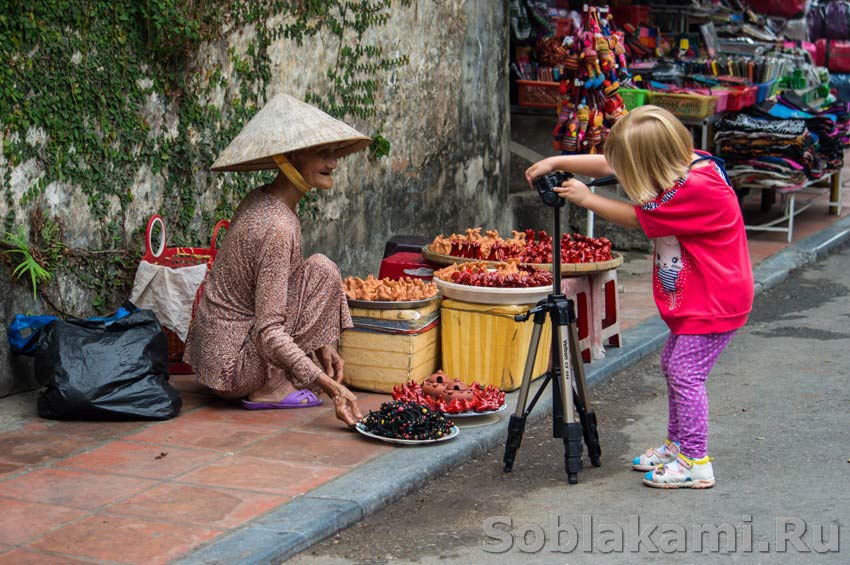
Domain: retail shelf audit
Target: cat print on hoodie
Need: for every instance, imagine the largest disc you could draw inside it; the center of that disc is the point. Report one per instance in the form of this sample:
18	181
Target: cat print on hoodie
668	262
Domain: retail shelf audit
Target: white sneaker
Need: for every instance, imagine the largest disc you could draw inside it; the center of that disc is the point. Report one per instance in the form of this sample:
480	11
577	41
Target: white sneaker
656	456
684	472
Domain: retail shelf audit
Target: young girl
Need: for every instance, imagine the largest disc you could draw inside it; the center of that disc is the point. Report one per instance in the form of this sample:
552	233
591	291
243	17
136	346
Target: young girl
703	283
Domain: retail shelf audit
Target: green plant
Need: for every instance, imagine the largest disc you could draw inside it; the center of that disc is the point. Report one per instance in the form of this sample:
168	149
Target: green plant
380	147
17	243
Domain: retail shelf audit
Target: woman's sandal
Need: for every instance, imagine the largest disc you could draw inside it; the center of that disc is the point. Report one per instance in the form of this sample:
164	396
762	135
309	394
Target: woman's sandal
297	399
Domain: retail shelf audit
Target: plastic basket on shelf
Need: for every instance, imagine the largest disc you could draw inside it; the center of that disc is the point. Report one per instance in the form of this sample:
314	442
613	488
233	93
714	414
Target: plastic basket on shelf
765	90
722	97
685	105
741	97
633	97
539	94
774	89
174	258
750	96
635	15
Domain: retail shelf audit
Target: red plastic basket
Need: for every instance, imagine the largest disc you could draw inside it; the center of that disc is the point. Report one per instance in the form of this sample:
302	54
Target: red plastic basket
176	257
635	15
539	94
741	97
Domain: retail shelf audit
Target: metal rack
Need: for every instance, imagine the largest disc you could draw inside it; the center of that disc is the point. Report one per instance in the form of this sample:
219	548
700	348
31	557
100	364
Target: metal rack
790	208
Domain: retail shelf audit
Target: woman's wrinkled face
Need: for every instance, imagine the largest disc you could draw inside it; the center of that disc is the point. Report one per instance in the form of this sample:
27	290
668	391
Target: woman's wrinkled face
316	166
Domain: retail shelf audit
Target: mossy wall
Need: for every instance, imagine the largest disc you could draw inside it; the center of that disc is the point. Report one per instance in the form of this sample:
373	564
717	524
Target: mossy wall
110	112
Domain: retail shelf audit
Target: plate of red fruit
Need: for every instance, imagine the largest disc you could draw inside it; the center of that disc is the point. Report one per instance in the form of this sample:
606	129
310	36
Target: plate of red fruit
452	397
508	283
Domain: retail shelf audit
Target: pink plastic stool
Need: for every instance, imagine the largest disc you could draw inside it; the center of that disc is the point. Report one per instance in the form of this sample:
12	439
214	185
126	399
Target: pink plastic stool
605	317
578	289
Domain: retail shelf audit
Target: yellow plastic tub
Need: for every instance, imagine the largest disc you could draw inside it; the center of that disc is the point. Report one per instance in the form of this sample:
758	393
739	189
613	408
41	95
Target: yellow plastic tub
484	343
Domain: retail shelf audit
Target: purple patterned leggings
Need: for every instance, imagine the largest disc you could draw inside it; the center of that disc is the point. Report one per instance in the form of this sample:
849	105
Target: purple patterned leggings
686	362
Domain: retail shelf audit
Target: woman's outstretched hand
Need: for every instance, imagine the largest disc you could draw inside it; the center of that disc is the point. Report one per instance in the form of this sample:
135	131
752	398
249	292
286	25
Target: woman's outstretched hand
575	191
331	363
345	404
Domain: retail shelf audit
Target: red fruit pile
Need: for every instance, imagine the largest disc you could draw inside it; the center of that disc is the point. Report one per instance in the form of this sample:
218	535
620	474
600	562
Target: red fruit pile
527	247
486	399
575	248
510	275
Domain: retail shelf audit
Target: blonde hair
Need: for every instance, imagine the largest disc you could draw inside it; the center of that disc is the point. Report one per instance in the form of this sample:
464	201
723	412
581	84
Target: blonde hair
649	150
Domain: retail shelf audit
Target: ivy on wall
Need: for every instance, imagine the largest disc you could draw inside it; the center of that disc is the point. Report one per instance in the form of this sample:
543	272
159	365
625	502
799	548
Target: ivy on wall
88	89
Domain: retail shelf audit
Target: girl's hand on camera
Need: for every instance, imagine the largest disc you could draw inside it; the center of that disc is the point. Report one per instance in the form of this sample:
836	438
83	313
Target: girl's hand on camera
575	191
537	169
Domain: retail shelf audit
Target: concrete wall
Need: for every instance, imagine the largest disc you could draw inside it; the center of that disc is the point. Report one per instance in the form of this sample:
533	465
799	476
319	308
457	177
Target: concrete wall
445	113
449	127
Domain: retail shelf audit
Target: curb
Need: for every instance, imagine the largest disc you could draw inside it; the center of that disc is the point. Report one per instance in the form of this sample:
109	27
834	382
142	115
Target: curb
294	527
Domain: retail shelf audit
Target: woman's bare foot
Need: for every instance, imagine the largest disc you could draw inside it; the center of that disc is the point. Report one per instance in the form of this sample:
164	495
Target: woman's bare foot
274	390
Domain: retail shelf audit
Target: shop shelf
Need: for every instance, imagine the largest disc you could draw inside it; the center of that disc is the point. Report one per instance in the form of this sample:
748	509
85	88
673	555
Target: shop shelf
539	94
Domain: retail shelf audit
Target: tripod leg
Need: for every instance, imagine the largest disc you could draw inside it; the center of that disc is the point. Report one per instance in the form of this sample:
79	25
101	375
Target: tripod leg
573	429
587	416
516	425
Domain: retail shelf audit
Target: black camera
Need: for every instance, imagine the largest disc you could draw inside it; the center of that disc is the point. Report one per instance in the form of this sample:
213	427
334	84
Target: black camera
546	184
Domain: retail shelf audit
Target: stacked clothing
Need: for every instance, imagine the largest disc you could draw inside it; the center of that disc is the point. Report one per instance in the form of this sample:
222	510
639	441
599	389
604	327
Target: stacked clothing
767	153
784	144
829	123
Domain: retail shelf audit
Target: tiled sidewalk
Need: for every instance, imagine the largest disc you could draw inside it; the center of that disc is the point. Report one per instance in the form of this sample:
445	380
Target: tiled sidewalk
145	493
75	492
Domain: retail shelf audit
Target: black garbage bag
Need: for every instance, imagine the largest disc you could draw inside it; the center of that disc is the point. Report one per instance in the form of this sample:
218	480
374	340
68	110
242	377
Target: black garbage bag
105	369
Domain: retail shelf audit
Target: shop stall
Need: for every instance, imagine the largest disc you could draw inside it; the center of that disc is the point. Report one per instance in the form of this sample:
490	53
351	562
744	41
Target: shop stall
727	70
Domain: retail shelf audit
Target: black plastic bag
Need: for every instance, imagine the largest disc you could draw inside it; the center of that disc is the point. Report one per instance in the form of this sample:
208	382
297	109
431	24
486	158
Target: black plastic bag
105	369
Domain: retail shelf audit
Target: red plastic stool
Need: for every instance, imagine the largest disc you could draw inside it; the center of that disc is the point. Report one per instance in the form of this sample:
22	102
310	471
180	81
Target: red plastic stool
578	289
605	303
406	264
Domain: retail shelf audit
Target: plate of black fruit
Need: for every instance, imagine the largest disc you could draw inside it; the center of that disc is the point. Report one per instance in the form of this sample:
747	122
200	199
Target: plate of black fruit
407	423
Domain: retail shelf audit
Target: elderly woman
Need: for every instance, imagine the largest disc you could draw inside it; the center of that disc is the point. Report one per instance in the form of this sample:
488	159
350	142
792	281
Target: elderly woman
267	313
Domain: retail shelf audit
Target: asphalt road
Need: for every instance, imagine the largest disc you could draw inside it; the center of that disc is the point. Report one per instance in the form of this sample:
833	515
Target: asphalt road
780	437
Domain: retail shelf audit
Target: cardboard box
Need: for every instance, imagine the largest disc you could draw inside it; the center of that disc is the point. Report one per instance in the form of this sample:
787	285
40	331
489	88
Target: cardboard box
378	361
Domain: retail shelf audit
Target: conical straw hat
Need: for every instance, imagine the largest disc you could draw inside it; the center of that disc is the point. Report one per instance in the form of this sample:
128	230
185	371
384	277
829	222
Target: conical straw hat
286	124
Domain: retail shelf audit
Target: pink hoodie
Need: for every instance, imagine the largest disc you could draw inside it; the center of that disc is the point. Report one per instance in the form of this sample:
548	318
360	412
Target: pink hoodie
703	280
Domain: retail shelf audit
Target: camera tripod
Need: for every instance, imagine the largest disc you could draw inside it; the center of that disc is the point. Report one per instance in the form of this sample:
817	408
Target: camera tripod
572	419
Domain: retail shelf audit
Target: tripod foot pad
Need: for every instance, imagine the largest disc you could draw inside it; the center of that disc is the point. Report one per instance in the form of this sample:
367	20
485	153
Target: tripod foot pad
591	439
573	449
516	427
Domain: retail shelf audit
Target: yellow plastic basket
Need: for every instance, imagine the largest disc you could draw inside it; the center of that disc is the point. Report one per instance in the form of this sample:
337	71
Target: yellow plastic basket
685	105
